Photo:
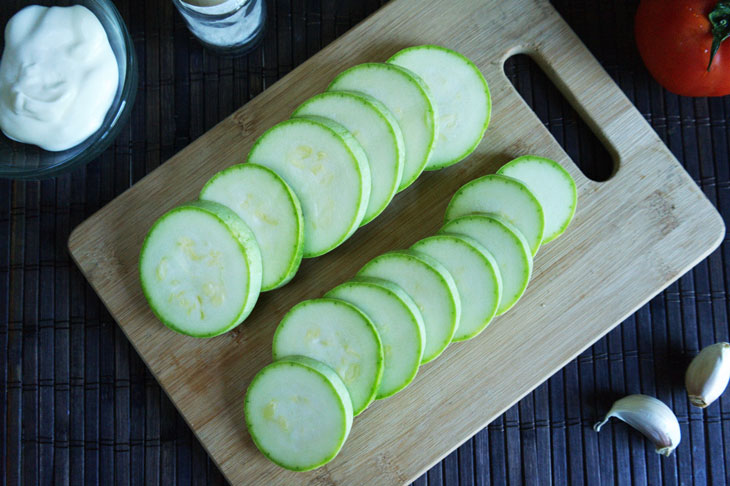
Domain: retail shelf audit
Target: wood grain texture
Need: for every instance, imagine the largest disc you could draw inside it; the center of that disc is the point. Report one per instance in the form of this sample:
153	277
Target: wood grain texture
631	237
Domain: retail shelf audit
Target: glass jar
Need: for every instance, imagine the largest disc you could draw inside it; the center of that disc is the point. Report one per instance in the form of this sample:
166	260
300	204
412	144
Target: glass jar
228	27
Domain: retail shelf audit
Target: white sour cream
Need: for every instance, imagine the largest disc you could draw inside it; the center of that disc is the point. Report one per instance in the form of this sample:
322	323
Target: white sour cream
58	76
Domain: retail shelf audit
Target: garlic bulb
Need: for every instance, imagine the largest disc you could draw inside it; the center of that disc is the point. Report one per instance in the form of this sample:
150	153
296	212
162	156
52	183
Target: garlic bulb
649	416
708	374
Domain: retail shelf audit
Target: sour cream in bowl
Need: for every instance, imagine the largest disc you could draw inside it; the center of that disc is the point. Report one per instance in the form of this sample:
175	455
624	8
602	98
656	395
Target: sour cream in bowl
58	76
67	81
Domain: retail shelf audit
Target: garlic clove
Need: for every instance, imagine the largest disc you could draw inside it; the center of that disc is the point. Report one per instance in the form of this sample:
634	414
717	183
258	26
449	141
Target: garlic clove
649	416
708	374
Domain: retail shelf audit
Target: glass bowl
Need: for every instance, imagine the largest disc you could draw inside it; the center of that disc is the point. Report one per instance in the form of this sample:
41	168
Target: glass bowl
23	161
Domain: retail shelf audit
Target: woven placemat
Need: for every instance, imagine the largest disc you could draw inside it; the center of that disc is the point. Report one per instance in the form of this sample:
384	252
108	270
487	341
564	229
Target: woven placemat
78	406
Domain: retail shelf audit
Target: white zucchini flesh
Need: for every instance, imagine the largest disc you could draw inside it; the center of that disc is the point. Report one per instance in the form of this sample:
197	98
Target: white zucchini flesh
477	278
399	324
505	196
506	244
200	269
328	171
379	134
271	209
430	286
461	95
339	335
407	97
298	413
552	185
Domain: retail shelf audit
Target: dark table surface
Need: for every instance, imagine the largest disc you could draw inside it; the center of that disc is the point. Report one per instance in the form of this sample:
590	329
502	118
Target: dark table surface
77	405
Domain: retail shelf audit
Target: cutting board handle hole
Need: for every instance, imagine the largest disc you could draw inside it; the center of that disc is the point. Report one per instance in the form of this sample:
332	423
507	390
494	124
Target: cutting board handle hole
559	117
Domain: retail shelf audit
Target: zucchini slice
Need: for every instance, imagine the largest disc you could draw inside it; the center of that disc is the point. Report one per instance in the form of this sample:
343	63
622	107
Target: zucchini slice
327	170
461	95
377	130
506	244
298	413
200	269
271	209
339	335
477	278
408	98
552	185
506	197
399	324
430	286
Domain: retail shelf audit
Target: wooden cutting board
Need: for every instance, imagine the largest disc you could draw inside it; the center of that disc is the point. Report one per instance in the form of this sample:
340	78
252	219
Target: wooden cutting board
632	236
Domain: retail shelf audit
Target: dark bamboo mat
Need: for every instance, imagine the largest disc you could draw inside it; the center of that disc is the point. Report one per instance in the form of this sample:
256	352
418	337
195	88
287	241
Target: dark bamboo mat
78	406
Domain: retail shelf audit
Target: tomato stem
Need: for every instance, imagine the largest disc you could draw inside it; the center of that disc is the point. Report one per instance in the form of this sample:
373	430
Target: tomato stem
720	21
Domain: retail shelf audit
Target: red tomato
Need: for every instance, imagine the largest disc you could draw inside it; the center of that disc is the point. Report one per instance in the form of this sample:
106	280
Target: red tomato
675	40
